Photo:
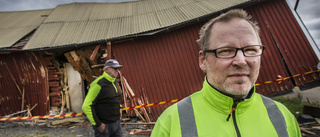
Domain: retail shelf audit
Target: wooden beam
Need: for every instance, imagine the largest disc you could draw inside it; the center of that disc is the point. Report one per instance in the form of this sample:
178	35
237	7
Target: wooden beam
23	94
56	73
97	65
55	93
94	53
66	88
71	61
53	84
75	56
87	72
144	123
107	54
79	62
57	89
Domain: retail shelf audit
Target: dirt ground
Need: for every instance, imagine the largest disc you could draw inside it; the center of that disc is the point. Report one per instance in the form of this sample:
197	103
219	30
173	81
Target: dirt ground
45	129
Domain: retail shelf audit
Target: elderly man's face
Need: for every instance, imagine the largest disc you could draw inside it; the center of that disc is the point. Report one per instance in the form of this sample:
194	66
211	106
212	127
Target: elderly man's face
232	76
113	72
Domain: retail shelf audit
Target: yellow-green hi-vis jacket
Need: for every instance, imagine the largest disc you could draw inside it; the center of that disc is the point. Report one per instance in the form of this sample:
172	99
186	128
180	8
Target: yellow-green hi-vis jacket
216	115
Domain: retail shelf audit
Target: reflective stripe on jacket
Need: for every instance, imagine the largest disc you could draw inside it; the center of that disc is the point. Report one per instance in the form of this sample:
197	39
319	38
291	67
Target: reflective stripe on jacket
211	110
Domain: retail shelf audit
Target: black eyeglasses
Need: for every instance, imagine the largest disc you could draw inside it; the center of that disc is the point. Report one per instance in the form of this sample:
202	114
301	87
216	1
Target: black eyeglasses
231	52
116	69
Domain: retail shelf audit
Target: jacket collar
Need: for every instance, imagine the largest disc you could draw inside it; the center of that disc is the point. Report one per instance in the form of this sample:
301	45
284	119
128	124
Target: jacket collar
223	103
108	77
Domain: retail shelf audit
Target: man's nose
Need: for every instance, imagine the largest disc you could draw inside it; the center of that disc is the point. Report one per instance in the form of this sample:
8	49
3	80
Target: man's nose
239	59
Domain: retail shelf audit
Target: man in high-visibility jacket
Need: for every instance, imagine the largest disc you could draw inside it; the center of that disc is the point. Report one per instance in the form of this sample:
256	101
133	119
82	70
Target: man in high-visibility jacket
228	105
103	101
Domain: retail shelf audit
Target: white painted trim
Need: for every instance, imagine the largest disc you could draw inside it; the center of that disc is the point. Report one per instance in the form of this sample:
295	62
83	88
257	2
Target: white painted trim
314	46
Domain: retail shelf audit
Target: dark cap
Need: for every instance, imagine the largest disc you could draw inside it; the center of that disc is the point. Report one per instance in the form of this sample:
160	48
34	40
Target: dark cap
112	63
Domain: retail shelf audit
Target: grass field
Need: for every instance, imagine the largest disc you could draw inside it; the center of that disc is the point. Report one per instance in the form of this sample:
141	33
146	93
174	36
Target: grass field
295	105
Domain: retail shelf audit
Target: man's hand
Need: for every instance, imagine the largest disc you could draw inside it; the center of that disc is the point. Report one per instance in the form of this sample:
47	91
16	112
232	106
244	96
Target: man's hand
101	128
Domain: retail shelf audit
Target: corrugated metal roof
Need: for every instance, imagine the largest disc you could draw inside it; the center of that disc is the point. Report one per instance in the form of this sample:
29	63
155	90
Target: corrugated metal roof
79	23
16	25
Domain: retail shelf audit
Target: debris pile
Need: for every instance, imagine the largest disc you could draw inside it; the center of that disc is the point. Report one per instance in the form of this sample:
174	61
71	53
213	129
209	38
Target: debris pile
309	122
130	98
310	129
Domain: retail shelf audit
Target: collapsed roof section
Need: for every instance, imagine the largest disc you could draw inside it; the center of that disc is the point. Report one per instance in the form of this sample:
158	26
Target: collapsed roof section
16	25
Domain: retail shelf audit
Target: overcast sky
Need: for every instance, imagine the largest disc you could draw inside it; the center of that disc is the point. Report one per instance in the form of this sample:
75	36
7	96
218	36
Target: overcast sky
308	10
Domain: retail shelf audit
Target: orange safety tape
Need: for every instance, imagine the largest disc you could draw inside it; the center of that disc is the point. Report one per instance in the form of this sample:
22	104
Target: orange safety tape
79	114
282	78
147	105
39	117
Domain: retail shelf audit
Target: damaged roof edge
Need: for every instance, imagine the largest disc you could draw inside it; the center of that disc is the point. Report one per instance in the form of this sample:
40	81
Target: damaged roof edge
134	35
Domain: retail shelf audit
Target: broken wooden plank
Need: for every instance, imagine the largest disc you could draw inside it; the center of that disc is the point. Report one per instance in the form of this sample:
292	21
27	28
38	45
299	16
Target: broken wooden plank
53	78
140	131
143	123
97	65
85	66
23	94
71	61
55	93
67	121
53	84
308	123
56	73
51	70
57	89
55	104
95	51
129	88
107	54
55	99
80	63
74	56
66	88
144	111
307	131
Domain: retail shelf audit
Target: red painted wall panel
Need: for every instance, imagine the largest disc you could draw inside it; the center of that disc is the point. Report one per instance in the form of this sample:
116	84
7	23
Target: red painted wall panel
28	71
165	65
279	28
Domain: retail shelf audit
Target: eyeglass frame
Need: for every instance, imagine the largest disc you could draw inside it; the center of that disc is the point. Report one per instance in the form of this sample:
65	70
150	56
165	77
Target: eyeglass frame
215	50
116	69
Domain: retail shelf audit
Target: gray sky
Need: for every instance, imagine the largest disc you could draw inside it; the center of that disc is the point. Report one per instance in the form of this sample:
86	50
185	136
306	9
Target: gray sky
308	10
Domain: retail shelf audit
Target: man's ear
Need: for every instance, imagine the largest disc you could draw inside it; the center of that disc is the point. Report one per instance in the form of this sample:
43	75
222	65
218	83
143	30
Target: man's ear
202	61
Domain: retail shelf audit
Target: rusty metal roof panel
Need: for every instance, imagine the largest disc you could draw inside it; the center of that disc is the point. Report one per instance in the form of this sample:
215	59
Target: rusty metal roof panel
105	21
16	25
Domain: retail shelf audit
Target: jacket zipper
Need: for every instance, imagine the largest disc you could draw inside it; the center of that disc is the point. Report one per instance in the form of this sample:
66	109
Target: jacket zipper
234	106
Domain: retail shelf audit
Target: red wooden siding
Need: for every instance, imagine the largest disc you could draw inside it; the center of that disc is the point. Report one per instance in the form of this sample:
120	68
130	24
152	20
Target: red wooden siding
165	65
28	71
279	27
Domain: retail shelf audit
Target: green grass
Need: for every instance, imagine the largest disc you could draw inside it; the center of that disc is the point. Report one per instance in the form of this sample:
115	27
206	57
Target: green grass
295	105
